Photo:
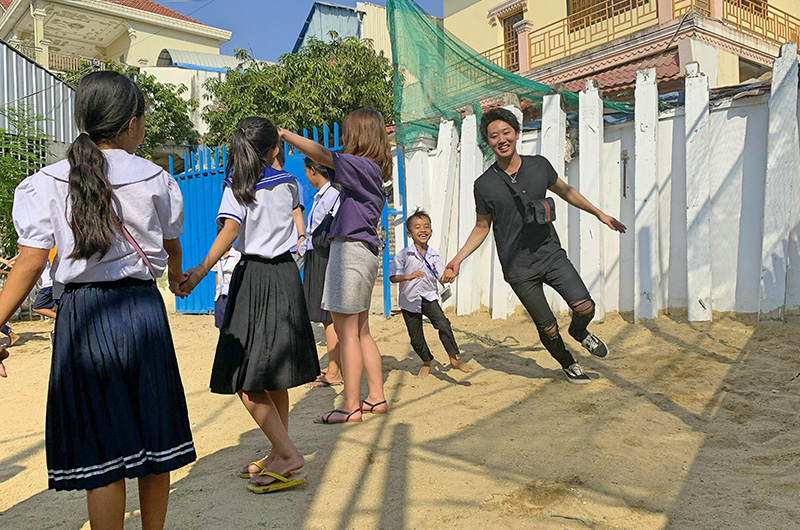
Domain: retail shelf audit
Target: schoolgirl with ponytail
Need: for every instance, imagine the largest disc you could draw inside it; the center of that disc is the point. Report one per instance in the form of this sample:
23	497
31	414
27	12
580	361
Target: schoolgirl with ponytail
266	344
116	407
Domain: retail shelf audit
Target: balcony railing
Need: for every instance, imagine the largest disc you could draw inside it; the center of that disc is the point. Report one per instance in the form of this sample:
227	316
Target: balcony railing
612	19
503	57
681	7
60	62
762	20
601	23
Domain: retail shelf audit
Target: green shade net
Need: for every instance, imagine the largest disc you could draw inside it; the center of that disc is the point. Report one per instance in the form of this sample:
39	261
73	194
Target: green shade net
436	76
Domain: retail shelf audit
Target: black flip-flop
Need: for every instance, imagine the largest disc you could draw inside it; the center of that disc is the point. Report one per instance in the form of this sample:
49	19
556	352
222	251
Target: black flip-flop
372	407
326	418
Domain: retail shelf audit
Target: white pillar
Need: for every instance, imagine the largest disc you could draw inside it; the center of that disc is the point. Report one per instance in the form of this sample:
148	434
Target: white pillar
698	197
468	286
442	184
554	132
793	277
782	167
418	173
42	44
645	193
590	136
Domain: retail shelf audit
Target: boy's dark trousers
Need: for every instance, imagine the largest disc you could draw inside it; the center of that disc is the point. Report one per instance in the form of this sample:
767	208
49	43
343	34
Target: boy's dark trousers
434	312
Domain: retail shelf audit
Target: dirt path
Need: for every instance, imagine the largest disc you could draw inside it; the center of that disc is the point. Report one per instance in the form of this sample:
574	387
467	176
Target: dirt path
686	426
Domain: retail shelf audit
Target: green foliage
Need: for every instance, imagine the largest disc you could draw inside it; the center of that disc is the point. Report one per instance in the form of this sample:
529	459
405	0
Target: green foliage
23	150
167	119
320	84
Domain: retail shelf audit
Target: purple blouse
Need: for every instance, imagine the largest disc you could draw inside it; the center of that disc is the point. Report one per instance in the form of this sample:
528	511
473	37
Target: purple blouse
361	198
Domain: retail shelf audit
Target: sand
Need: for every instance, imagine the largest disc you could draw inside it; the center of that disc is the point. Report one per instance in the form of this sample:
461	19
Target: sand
685	426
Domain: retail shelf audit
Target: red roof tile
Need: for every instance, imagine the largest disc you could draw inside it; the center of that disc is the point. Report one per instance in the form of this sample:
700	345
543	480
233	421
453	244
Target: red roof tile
624	77
5	4
152	7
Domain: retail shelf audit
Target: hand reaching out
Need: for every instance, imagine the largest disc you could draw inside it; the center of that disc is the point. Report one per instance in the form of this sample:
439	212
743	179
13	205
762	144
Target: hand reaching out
612	223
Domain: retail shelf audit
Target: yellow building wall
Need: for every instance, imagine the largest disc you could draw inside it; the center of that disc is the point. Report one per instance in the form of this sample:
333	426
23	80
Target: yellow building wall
789	6
375	27
469	20
151	39
727	68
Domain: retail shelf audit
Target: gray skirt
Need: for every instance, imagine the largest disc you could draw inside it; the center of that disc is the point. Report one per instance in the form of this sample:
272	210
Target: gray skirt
352	271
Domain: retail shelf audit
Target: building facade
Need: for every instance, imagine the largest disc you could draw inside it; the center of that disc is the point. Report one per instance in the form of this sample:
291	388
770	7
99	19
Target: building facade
566	41
63	34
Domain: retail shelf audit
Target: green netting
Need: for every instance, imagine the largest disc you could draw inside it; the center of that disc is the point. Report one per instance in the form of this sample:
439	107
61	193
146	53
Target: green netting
437	76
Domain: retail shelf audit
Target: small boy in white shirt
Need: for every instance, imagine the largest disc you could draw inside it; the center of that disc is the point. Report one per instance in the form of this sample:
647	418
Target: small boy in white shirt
224	269
418	269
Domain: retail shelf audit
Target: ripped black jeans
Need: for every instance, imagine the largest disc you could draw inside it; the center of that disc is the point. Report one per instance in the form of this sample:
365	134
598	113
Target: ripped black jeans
561	276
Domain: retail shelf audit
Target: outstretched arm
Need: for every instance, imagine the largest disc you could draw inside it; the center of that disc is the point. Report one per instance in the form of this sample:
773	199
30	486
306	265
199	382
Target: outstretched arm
224	240
316	152
576	199
483	224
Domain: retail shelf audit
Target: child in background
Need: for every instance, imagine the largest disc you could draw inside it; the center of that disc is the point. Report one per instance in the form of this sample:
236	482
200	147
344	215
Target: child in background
418	269
266	344
224	269
6	330
298	252
45	304
116	408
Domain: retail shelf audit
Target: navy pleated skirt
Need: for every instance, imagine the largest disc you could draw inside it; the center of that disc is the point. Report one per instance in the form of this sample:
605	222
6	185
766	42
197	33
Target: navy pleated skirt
116	406
266	341
314	285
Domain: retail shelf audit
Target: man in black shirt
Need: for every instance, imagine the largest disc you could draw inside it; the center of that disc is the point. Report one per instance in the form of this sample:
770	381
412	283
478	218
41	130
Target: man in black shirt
510	196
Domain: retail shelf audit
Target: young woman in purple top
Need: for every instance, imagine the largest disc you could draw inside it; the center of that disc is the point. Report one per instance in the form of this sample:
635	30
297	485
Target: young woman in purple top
363	165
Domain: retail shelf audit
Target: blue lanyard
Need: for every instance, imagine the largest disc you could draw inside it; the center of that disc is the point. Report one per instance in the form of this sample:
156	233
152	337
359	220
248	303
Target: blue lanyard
426	261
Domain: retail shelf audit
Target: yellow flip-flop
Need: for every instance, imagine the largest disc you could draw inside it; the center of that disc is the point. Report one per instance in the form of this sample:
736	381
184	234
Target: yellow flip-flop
293	478
259	465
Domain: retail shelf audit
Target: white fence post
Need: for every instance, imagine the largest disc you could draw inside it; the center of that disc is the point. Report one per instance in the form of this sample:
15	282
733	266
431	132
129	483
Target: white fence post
418	173
442	184
468	286
554	132
645	193
590	137
781	170
698	198
793	273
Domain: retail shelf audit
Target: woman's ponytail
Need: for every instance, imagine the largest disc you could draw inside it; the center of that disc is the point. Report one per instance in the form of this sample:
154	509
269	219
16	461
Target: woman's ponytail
90	199
105	104
250	152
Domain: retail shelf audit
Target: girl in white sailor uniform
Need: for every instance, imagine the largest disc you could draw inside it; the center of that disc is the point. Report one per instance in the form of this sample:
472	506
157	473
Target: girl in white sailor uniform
266	344
116	407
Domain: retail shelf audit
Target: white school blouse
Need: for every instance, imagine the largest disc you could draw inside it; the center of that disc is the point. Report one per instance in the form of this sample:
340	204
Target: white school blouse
151	208
325	200
266	228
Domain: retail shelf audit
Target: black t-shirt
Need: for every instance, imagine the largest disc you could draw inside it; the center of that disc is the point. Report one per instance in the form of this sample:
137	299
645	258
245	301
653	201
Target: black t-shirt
524	249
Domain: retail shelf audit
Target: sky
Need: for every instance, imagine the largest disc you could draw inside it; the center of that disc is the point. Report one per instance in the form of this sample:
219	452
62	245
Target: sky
265	28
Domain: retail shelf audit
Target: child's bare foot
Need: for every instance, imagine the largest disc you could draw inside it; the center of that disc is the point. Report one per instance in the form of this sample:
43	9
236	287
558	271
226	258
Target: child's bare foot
424	371
13	338
457	365
280	466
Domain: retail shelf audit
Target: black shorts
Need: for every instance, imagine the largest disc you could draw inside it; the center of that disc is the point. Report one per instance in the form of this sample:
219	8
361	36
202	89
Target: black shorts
44	299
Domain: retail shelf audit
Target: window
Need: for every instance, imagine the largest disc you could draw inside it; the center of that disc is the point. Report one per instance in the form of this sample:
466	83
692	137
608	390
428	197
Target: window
511	41
584	13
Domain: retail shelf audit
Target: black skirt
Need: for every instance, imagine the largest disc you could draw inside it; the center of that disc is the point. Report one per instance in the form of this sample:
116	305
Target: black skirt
116	407
266	341
313	285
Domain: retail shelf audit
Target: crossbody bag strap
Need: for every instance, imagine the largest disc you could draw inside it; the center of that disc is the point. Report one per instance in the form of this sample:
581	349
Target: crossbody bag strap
129	238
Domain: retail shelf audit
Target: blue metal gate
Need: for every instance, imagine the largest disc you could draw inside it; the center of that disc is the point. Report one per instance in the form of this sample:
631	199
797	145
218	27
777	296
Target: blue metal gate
201	185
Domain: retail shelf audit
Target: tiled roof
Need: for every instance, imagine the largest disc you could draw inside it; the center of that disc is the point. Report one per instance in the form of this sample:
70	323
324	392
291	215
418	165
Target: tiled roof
624	77
152	7
141	5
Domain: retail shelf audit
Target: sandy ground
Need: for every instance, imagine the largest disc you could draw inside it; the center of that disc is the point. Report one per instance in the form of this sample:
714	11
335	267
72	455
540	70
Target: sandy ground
685	426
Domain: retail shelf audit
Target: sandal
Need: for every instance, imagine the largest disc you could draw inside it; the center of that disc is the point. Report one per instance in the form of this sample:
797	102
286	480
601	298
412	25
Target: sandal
372	407
321	382
291	479
260	467
327	418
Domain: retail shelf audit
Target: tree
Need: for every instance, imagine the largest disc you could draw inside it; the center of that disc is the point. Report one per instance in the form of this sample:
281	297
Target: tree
167	120
320	84
23	149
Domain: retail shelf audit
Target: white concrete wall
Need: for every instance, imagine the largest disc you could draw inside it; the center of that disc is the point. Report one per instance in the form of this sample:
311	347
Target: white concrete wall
732	206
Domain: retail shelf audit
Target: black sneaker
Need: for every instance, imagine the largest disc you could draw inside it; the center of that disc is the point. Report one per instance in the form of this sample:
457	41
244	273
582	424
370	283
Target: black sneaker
575	375
595	346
